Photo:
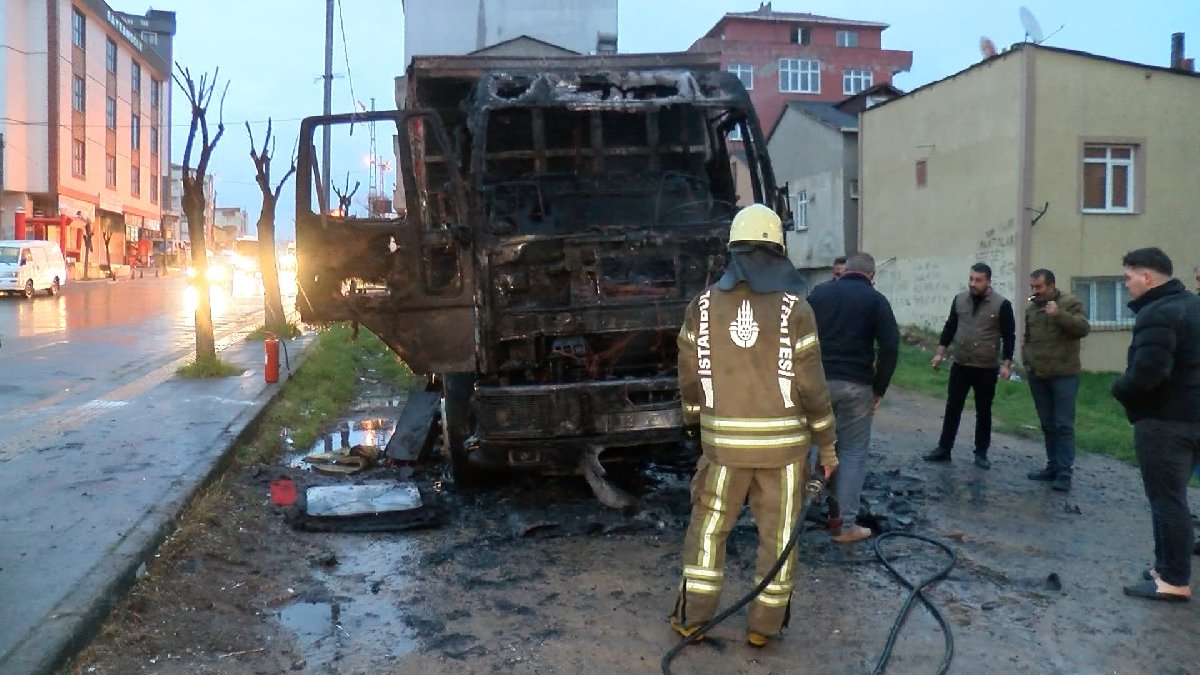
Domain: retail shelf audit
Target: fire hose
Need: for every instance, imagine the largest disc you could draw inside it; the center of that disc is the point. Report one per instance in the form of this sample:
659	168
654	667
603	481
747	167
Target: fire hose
813	489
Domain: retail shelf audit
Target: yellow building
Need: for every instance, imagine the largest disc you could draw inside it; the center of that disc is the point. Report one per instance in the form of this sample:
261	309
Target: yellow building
1036	158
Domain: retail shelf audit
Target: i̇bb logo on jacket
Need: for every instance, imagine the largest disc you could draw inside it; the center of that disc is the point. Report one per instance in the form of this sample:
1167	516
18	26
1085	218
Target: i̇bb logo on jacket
744	329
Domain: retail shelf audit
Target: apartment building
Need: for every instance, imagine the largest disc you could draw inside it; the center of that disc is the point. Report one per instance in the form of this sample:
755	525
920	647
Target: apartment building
85	110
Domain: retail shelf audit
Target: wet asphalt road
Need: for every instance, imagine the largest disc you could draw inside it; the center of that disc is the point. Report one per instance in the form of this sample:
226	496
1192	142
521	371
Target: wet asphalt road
97	345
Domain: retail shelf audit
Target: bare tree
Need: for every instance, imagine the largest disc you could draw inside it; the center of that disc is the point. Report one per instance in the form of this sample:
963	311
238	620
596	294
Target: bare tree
88	235
199	96
107	236
273	314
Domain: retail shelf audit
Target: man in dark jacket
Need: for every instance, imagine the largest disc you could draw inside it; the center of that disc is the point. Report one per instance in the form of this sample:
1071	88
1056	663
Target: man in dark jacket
852	318
1160	390
1054	325
983	330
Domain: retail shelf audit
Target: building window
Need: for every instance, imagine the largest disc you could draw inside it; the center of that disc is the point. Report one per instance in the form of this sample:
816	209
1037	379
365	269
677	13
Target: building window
135	181
78	157
800	210
78	29
799	76
110	170
135	75
1104	301
1108	173
745	73
801	35
110	113
153	188
155	92
921	173
135	132
854	81
78	94
110	56
149	37
154	140
847	38
735	133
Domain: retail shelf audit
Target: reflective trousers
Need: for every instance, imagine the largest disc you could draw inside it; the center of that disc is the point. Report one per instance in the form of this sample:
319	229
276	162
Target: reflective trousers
718	493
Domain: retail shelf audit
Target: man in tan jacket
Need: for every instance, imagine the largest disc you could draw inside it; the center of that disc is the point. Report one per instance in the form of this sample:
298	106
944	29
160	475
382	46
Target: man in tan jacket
750	375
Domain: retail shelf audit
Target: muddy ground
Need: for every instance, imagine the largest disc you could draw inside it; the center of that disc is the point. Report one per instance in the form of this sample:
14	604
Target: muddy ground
539	578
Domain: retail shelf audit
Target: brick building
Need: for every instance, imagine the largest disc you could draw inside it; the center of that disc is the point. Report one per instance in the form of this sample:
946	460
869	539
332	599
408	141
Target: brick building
85	110
790	56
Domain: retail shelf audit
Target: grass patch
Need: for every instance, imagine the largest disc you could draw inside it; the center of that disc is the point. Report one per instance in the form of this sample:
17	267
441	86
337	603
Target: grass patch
286	331
1100	424
208	367
320	391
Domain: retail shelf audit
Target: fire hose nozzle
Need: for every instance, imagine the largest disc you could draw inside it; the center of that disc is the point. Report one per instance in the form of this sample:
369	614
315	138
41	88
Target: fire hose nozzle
813	489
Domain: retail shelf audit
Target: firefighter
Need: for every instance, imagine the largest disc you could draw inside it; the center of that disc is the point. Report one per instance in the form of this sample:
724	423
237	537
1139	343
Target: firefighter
750	377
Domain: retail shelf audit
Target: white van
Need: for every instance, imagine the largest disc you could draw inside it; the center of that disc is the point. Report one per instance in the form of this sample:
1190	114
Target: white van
28	266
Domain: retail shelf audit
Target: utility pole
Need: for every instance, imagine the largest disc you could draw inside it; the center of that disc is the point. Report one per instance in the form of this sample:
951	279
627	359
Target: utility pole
2	187
325	172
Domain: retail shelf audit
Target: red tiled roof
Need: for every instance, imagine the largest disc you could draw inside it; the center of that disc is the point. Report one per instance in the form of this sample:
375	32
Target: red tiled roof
763	14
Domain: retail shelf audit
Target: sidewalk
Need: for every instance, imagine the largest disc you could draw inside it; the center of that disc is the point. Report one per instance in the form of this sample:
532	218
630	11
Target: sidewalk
80	517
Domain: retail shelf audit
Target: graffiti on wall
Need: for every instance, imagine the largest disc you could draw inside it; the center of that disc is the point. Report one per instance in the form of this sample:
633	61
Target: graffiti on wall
921	288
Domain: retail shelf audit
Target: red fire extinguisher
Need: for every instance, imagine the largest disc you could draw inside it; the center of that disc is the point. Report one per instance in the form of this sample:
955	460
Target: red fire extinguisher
271	369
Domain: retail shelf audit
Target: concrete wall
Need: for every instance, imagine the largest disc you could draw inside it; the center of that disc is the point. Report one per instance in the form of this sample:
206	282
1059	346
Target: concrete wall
23	68
464	26
967	131
810	156
1077	99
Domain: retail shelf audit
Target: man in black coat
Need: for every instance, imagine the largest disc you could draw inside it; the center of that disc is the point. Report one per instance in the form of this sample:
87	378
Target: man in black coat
1160	390
852	320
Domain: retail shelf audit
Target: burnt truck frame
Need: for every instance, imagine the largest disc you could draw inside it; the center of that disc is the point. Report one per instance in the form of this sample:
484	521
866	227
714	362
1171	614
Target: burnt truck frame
560	213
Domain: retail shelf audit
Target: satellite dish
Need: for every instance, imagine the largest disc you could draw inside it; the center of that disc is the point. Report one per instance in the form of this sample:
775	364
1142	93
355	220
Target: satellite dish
987	48
1033	30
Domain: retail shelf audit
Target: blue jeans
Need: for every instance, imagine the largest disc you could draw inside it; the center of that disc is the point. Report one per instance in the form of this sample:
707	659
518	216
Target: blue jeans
1054	398
852	411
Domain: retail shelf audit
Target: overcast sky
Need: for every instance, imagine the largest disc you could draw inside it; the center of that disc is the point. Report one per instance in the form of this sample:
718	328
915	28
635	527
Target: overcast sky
272	52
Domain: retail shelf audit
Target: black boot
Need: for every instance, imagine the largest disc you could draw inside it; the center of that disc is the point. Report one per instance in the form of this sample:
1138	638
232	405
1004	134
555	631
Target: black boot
939	454
1046	475
982	461
1062	483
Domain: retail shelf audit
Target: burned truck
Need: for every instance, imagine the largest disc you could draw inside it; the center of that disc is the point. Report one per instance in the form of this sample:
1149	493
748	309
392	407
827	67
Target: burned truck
553	218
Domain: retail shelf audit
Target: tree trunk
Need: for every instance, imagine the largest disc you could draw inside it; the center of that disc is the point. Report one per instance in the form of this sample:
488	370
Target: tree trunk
87	249
273	314
206	343
108	255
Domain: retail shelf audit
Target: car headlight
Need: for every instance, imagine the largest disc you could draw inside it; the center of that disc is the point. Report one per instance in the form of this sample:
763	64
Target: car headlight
191	272
217	273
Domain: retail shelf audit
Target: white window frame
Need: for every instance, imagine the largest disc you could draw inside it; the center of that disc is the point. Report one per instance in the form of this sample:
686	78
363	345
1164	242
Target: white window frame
794	74
78	94
154	140
135	132
744	72
1084	288
847	38
135	77
852	76
149	37
800	210
801	35
78	28
1108	161
110	56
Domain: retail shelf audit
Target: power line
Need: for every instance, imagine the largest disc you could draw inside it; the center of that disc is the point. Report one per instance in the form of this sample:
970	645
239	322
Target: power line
24	123
346	54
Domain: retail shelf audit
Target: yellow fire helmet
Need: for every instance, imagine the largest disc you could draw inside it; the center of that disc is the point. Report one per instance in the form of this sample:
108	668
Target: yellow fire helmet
756	223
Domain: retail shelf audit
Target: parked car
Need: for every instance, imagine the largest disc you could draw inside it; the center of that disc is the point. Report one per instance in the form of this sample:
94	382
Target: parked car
28	266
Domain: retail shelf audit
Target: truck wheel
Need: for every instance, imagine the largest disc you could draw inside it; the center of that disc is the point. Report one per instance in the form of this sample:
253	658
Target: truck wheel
54	287
29	289
457	424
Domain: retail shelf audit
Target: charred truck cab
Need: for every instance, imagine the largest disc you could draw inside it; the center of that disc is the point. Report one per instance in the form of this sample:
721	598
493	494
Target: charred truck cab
558	215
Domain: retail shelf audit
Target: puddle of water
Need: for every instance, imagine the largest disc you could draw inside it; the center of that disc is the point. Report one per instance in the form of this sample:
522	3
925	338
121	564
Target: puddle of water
350	633
376	431
378	402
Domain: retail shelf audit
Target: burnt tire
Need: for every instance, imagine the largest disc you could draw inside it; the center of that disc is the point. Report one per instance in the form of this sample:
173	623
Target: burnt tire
457	425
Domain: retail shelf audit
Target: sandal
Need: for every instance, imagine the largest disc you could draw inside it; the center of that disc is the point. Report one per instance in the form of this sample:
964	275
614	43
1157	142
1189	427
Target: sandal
1149	590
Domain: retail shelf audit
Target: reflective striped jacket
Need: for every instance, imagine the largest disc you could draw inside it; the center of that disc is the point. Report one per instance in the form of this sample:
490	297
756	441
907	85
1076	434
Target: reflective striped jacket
750	374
